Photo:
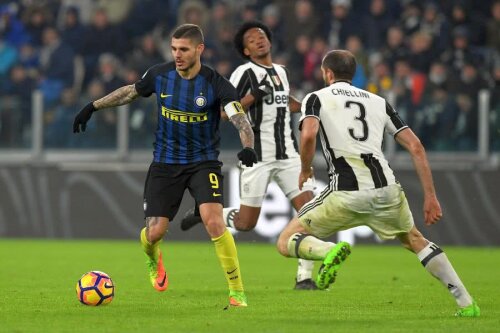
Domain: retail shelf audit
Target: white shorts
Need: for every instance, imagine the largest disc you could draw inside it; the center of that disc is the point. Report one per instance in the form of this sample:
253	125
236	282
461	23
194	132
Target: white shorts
385	210
254	180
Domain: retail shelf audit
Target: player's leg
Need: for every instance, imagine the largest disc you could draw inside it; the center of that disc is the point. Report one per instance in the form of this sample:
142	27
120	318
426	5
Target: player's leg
253	187
191	218
286	174
202	185
160	207
211	215
303	279
392	218
243	219
328	213
151	237
225	248
437	264
295	241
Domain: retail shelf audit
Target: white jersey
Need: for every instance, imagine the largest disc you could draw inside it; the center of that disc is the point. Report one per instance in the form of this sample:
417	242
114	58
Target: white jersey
270	117
352	124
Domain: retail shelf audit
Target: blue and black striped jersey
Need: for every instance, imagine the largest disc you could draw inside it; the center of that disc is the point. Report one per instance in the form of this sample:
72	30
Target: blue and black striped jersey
188	112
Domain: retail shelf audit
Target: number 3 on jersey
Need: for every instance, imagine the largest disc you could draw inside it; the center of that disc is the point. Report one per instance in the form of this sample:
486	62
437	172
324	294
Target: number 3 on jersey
361	117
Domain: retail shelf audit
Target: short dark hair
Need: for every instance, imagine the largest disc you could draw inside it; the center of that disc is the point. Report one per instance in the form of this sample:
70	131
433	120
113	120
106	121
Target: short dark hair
238	38
341	62
189	31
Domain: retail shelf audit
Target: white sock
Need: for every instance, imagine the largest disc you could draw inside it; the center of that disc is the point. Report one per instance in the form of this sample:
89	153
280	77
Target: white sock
308	247
436	262
228	216
304	270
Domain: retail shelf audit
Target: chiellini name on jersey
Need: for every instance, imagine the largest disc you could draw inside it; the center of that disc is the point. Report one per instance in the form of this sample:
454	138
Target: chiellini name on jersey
350	93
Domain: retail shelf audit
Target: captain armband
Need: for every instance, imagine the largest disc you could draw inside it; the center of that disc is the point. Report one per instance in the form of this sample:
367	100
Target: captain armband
233	108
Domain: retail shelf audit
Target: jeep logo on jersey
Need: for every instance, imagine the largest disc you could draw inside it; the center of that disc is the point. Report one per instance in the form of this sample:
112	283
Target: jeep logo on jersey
200	101
277	97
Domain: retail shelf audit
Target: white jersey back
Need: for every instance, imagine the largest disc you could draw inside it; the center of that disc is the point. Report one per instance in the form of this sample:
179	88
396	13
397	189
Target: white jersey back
352	124
270	117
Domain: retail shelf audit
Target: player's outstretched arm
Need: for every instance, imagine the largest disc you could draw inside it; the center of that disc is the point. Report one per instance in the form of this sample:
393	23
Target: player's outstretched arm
247	156
308	132
432	208
120	96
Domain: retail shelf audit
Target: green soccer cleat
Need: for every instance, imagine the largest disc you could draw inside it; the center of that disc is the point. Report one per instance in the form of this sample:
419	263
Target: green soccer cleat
469	311
328	270
190	220
157	274
237	298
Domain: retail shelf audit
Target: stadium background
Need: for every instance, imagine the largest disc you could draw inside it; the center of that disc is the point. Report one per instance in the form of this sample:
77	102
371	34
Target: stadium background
437	62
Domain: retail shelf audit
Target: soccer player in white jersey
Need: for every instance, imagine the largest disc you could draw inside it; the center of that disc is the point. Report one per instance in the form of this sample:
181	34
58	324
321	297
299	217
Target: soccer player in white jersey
362	188
265	93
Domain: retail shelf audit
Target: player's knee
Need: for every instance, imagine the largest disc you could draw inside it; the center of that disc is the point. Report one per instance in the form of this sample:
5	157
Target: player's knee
215	227
415	241
155	234
282	245
156	229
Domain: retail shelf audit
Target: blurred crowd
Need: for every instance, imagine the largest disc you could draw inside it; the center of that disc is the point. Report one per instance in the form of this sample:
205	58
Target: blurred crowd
430	58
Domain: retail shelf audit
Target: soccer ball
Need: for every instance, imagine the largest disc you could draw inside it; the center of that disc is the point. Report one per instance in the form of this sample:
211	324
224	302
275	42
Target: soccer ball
95	288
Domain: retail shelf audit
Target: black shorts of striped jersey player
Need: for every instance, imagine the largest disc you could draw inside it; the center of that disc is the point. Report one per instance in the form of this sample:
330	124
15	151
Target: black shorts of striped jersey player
204	181
363	189
189	98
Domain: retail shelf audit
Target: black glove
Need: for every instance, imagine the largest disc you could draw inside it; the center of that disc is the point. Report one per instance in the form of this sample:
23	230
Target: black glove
247	156
82	117
262	90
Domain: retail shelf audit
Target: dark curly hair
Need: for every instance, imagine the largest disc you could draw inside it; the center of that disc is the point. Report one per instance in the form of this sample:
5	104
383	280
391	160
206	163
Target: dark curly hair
238	38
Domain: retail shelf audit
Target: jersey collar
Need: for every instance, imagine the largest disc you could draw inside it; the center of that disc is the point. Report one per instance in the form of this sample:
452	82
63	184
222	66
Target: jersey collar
343	81
266	67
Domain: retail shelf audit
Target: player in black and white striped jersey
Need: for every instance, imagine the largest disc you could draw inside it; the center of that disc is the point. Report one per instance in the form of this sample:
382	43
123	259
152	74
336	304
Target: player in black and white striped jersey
362	190
264	91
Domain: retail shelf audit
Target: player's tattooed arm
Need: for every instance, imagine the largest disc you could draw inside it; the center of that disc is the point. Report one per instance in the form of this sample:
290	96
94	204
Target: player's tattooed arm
120	96
240	121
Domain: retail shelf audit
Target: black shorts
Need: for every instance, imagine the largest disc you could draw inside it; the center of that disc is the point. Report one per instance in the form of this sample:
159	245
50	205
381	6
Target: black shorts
165	185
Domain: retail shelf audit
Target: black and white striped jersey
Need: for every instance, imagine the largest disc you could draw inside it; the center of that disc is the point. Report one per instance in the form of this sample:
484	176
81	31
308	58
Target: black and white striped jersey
352	124
270	117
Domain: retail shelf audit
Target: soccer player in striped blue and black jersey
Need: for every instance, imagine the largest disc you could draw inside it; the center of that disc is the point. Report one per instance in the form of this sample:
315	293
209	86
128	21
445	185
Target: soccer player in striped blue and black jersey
264	89
189	96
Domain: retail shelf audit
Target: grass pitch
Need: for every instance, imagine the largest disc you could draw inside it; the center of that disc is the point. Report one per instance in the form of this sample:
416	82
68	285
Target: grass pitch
379	289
